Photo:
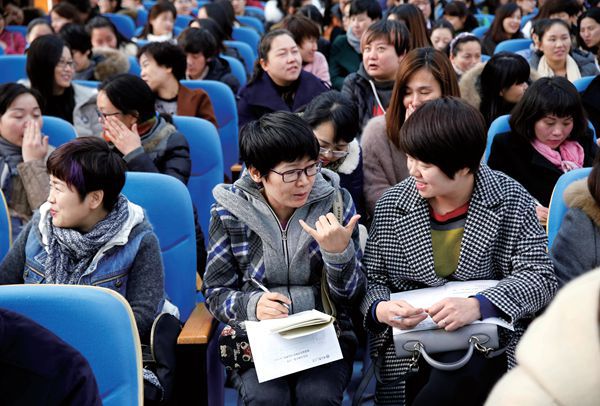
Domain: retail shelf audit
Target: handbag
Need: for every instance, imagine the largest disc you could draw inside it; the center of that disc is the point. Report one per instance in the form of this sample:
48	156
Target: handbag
234	345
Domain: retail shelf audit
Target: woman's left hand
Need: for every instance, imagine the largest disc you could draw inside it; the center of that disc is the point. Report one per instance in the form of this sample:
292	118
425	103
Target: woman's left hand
124	139
452	313
330	234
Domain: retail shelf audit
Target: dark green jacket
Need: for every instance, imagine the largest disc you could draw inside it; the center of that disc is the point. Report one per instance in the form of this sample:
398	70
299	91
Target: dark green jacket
343	60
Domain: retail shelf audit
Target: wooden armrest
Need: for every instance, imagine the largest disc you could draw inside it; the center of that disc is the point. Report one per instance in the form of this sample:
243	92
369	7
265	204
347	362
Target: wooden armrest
198	327
236	171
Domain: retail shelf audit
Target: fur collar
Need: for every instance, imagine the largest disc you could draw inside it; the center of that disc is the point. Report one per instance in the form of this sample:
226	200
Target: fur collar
352	159
578	196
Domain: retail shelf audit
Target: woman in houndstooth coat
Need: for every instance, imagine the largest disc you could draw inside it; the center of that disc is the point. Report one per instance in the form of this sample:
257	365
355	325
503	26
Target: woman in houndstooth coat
454	219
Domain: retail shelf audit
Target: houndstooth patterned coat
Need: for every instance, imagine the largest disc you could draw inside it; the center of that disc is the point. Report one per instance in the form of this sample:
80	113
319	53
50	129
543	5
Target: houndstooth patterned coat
503	240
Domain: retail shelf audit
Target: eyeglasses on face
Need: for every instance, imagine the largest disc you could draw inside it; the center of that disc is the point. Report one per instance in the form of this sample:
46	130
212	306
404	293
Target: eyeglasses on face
335	153
62	64
102	116
294	174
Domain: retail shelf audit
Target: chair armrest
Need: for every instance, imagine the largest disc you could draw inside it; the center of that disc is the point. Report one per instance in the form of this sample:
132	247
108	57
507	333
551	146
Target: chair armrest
198	327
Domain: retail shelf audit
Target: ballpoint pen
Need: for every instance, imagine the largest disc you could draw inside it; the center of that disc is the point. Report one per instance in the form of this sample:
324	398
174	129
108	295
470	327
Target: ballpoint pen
264	289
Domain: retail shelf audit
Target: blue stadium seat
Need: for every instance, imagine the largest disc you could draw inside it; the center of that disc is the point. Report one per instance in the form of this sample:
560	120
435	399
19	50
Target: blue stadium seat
255	10
582	84
479	32
21	29
237	69
148	4
124	24
173	221
59	131
225	107
12	68
98	323
88	83
5	227
484	20
141	18
207	164
182	21
252	22
248	36
513	45
134	66
485	58
245	51
557	208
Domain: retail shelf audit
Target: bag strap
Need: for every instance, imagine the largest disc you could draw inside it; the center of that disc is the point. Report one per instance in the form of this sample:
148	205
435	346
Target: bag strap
338	210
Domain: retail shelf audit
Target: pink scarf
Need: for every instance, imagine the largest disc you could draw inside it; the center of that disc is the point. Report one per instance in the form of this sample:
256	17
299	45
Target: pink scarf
568	157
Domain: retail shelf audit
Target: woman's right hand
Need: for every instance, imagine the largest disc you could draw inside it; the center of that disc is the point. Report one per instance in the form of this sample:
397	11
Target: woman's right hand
399	314
35	146
270	306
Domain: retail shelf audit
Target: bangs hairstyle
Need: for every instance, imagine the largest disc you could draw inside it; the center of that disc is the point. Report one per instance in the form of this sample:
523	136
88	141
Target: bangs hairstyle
263	51
43	55
435	62
10	91
275	138
462	38
100	22
130	95
87	164
301	28
451	145
548	96
335	108
167	55
503	70
198	41
496	31
392	31
371	7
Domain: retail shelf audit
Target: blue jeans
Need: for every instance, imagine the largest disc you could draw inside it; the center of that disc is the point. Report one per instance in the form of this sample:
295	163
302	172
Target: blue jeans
322	385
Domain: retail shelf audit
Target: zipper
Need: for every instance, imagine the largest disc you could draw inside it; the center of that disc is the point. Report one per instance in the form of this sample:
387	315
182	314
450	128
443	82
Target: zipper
35	271
108	279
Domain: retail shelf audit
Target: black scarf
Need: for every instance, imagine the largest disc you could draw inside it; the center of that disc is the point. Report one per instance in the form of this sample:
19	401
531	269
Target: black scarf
10	157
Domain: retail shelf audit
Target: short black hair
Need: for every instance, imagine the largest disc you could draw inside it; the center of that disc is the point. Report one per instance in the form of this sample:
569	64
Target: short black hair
451	145
88	164
167	55
131	95
393	32
198	41
548	96
76	37
274	138
10	91
371	7
336	108
99	22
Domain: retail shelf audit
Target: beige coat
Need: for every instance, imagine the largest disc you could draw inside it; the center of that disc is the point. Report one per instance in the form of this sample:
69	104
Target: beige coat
384	165
559	355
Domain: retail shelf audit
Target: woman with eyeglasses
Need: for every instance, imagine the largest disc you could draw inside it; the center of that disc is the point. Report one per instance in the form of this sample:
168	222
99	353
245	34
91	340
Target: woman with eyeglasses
50	69
334	121
275	225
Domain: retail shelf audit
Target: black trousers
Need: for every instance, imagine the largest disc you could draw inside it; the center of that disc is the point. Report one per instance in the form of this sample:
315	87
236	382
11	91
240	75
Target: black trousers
469	385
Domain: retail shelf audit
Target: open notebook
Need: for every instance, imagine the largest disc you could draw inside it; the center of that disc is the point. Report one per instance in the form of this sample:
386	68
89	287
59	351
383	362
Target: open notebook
299	324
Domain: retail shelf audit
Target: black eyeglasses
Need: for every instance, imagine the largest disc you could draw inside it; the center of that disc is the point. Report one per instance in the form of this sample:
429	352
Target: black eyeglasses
294	174
102	116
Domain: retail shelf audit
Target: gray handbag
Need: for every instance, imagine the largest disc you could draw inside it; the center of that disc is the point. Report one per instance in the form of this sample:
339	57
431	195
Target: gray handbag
482	337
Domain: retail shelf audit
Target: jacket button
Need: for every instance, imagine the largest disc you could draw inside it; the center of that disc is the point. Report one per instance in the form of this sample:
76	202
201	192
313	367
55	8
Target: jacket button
118	283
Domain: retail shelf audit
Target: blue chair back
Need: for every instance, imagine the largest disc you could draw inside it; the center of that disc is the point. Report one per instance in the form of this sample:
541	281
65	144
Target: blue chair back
124	24
59	131
88	83
484	20
5	227
21	29
182	21
237	69
98	322
1	51
245	51
479	32
248	36
498	126
252	22
207	163
557	208
134	65
141	18
485	58
528	17
168	205
255	10
12	68
513	45
148	4
225	107
582	84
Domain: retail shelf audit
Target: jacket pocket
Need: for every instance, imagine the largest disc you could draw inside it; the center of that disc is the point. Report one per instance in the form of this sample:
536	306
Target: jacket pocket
32	274
117	282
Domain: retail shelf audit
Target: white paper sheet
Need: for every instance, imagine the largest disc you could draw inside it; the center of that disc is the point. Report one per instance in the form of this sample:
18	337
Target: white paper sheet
275	356
426	297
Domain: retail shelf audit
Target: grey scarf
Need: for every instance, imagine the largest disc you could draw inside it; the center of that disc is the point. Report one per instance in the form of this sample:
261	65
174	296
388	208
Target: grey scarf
10	157
70	252
353	40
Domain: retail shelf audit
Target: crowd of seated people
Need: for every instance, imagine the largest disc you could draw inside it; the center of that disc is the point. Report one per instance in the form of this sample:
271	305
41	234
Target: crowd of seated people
385	103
